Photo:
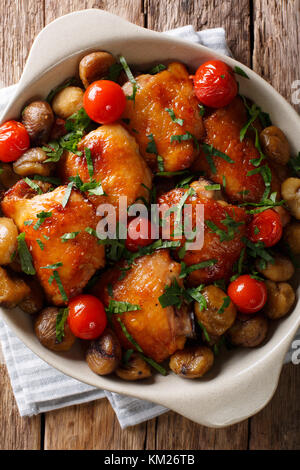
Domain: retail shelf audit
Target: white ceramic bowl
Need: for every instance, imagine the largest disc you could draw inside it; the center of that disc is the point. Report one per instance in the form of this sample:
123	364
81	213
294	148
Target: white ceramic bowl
242	381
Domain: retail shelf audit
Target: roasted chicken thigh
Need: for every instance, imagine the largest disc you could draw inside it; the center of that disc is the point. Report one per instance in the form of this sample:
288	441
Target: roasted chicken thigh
44	221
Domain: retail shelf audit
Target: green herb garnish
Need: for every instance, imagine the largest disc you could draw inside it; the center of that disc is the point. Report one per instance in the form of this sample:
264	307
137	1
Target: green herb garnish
25	255
33	185
156	69
53	151
68	236
173	117
130	78
42	216
60	323
118	307
240	72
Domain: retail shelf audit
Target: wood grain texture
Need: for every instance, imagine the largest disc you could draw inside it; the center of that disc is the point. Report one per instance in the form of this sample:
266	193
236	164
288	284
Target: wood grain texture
16	433
275	43
91	426
131	10
277	426
276	53
21	20
234	16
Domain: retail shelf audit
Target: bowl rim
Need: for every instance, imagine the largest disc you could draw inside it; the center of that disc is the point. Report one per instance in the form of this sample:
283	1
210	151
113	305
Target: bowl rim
130	32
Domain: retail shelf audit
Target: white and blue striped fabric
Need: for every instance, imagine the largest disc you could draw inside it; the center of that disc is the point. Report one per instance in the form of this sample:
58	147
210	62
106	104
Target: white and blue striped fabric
39	387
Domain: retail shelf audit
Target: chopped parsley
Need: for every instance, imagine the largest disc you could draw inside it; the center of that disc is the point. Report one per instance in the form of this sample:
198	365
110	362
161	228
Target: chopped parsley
151	147
130	78
60	323
40	243
156	69
52	266
53	151
33	185
160	164
201	109
240	72
89	160
186	270
213	187
264	204
68	236
67	195
117	307
184	137
114	72
205	333
173	117
226	303
55	276
25	255
42	216
210	151
231	225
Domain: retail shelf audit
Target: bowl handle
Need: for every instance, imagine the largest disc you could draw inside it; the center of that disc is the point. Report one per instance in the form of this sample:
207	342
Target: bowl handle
59	36
251	392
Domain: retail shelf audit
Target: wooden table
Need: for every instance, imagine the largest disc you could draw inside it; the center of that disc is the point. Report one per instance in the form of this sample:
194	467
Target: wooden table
263	34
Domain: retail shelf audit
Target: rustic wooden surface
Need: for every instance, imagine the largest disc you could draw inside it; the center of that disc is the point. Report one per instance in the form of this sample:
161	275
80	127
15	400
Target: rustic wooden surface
261	33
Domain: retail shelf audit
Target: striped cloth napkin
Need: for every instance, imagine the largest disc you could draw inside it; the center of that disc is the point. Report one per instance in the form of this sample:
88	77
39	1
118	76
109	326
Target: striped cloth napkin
37	386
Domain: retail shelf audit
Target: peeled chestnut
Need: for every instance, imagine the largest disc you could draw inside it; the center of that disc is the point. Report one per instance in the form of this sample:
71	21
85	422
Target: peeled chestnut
38	118
248	331
104	354
45	330
135	369
192	362
33	303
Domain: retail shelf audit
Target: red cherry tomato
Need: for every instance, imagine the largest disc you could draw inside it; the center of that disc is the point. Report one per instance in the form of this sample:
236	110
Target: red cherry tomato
104	101
215	84
248	294
138	234
266	227
14	141
87	318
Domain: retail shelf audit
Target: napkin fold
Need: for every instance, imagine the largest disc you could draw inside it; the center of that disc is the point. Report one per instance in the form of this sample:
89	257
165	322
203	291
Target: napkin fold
39	387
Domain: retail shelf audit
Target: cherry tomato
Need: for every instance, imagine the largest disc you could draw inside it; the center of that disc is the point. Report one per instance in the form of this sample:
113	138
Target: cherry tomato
14	141
266	227
87	318
104	101
248	294
138	234
215	84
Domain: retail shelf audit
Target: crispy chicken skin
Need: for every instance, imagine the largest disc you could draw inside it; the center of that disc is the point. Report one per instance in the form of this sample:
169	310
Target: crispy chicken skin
172	89
159	331
223	128
117	164
80	256
226	253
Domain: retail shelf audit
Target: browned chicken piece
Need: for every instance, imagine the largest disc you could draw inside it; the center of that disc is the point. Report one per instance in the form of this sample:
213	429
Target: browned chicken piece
117	164
224	228
223	128
158	331
80	256
171	89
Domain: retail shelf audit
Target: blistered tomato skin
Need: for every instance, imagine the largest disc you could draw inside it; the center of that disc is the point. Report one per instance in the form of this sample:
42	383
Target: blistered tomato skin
249	295
87	318
215	85
104	101
138	234
266	227
14	141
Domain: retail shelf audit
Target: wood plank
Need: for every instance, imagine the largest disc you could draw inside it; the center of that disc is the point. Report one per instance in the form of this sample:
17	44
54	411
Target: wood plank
20	22
175	432
91	426
277	426
16	433
204	14
132	10
276	54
